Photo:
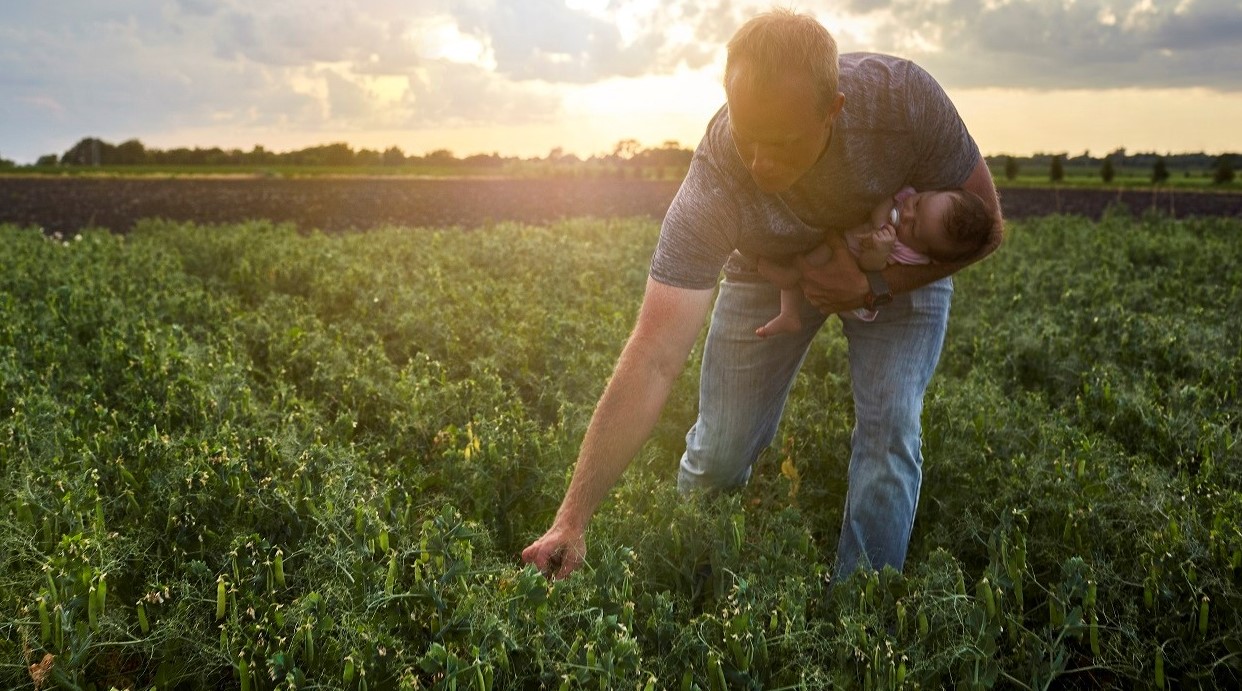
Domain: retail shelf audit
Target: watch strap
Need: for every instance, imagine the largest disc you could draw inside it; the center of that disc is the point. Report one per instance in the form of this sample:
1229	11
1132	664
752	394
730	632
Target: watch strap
879	294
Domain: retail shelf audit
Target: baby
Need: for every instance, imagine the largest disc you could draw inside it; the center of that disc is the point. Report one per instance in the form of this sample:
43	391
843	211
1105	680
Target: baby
911	228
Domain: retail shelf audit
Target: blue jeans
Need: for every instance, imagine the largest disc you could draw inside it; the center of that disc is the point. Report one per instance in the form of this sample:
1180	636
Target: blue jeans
746	379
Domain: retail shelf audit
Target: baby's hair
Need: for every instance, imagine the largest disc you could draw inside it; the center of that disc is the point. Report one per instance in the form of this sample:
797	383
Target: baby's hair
968	226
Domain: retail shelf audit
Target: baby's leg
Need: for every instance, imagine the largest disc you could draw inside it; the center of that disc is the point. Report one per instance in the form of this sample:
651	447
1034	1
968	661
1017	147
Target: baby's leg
788	320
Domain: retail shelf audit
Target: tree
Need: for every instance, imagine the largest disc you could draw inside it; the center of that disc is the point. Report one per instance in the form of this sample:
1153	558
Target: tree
1011	168
393	156
1222	172
1159	171
88	152
1106	170
129	152
1056	171
6	163
48	160
626	149
442	157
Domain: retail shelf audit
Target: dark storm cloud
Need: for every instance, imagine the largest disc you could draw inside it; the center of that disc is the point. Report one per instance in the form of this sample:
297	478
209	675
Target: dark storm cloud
1078	44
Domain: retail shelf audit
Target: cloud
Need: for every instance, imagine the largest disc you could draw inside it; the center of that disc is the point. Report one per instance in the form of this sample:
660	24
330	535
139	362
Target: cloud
445	92
136	68
549	40
1077	44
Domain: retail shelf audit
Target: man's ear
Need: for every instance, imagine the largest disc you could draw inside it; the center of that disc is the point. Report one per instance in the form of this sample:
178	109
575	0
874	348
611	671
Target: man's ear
835	109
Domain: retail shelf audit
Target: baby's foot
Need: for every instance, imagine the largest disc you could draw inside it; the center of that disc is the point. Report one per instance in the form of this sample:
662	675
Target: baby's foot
781	324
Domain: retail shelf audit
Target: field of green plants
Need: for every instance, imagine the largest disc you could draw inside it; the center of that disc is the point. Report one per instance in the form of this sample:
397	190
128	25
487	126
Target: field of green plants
243	457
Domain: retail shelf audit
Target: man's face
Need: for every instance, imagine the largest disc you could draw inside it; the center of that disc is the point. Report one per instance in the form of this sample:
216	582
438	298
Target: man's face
778	129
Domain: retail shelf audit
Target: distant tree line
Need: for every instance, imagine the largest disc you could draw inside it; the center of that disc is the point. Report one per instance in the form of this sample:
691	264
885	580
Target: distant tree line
1157	167
91	151
628	158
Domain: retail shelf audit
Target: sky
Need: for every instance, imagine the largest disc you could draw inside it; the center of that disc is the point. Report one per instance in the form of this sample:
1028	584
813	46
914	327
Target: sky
522	77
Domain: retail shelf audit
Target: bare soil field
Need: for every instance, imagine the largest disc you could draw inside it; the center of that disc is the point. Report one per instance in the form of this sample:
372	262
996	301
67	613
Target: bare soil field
68	204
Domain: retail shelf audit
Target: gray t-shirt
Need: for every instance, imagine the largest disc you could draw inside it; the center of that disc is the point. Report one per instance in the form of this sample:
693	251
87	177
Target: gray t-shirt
897	128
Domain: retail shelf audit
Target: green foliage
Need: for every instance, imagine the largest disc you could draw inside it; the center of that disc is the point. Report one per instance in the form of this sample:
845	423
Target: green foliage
1056	170
1159	171
1107	173
1222	170
241	457
1011	168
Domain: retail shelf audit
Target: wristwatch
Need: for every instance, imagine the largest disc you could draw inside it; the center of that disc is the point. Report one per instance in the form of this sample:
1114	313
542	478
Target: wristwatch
879	294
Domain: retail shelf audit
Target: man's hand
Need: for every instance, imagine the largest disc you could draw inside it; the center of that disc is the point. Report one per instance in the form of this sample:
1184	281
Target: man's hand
558	553
831	278
783	276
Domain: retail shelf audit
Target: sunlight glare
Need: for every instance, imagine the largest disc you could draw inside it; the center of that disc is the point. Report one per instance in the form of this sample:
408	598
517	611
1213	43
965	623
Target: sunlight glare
440	39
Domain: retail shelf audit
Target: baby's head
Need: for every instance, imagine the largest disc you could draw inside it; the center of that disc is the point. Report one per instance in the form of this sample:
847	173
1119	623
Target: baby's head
952	225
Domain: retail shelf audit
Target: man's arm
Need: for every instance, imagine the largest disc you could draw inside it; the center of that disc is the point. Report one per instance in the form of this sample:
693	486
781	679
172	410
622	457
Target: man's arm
833	282
654	356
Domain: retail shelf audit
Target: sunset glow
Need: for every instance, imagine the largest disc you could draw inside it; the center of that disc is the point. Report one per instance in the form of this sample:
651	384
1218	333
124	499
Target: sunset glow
523	78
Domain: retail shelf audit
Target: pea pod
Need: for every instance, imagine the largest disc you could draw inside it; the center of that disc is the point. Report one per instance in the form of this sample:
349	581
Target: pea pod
278	568
243	670
103	593
716	670
92	609
1203	616
1159	668
222	595
348	675
983	590
308	645
45	622
390	581
1095	635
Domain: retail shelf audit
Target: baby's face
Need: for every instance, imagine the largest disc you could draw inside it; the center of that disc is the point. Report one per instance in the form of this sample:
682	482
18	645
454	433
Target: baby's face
919	220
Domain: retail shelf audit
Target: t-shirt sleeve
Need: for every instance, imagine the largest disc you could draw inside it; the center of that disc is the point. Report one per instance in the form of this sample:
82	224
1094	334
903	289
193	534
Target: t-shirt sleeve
698	233
947	152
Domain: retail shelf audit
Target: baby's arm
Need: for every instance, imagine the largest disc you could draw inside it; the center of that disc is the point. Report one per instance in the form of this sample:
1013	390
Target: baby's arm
874	248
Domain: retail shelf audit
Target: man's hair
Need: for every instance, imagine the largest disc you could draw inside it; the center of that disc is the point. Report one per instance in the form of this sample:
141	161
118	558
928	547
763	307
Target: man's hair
778	42
968	226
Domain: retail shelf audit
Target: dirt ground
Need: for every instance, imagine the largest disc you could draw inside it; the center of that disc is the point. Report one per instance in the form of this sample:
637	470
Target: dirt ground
68	204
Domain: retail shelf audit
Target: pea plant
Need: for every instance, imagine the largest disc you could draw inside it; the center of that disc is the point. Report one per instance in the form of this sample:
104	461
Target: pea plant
247	457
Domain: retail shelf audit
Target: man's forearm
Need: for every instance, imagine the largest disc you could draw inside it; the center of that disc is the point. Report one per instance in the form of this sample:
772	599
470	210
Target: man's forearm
903	278
623	420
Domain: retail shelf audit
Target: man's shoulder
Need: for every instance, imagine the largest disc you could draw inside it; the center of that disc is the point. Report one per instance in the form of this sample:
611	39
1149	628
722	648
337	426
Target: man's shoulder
866	71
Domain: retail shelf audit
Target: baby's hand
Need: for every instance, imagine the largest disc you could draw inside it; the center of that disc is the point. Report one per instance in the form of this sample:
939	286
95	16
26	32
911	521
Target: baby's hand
884	237
874	248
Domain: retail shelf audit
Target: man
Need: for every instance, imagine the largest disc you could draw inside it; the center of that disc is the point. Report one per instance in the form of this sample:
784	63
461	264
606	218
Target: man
807	143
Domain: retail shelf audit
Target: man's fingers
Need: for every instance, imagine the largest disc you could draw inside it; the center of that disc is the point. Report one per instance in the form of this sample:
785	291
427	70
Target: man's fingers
780	275
552	567
821	255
